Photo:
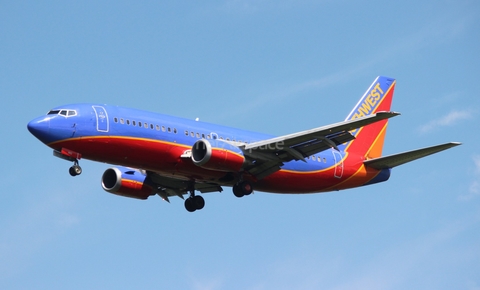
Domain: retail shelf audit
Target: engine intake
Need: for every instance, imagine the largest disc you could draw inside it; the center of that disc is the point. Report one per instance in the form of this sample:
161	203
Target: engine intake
217	155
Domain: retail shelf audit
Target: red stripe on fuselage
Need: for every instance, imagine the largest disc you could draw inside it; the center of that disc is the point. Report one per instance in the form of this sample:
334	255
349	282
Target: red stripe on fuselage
154	155
164	158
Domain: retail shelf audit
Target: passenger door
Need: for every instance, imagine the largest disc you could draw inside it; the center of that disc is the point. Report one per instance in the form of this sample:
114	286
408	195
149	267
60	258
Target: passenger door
101	119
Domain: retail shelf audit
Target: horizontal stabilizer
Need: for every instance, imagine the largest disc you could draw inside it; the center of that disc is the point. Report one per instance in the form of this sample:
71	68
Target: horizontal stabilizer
401	158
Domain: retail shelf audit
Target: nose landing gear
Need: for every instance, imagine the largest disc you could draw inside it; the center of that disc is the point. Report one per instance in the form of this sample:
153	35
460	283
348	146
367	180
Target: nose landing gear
70	155
75	169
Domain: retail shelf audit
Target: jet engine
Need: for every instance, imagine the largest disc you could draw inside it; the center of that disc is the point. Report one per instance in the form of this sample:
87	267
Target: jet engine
127	182
217	155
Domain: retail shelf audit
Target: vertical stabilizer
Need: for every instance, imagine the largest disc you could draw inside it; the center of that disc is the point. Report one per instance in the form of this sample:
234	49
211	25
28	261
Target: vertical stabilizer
369	139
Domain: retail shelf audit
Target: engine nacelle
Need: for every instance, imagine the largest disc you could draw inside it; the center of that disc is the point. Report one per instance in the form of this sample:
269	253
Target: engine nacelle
217	155
126	182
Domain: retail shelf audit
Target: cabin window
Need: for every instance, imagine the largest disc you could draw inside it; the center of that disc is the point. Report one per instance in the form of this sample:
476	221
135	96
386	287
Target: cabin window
163	128
157	127
203	136
198	135
151	126
324	160
208	136
192	134
228	139
169	130
115	120
175	130
145	125
319	159
134	123
121	121
221	138
128	122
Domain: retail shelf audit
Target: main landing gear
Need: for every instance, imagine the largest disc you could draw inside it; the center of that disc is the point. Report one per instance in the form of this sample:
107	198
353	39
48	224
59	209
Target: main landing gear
75	169
242	188
194	202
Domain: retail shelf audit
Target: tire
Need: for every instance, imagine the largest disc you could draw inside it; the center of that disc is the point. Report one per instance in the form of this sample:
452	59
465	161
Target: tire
78	169
246	187
190	205
72	171
237	191
199	202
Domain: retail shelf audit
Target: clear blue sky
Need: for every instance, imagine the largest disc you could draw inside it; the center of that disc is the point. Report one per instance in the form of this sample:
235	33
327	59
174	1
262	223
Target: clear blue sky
270	66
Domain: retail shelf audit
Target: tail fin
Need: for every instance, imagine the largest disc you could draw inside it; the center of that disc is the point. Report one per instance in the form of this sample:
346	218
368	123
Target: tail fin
369	139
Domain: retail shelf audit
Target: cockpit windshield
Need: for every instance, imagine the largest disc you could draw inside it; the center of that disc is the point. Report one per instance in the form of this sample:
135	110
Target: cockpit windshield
66	113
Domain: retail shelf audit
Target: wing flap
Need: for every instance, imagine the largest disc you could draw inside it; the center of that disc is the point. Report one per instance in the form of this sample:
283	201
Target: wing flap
322	143
177	187
263	169
402	158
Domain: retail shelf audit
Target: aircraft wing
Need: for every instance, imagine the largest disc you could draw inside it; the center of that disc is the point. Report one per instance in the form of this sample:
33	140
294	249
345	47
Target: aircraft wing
401	158
268	156
167	186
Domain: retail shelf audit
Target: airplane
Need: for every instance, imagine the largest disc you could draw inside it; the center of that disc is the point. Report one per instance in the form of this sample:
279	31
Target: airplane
157	154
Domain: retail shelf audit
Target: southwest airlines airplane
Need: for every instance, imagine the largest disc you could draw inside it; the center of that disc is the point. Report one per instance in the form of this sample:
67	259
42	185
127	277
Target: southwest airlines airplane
169	156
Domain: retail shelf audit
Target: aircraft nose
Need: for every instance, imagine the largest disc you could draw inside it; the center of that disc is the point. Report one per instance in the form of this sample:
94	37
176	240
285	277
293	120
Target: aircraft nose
39	127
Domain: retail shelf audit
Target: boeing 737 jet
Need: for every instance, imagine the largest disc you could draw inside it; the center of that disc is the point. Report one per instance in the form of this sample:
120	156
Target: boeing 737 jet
156	154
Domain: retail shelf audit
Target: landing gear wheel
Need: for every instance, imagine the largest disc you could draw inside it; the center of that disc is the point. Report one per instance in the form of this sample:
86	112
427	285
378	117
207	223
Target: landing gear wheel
247	187
194	203
190	205
75	170
237	191
242	188
199	202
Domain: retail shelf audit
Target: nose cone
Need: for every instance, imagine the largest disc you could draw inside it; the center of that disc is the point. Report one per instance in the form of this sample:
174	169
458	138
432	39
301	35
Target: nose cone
40	128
